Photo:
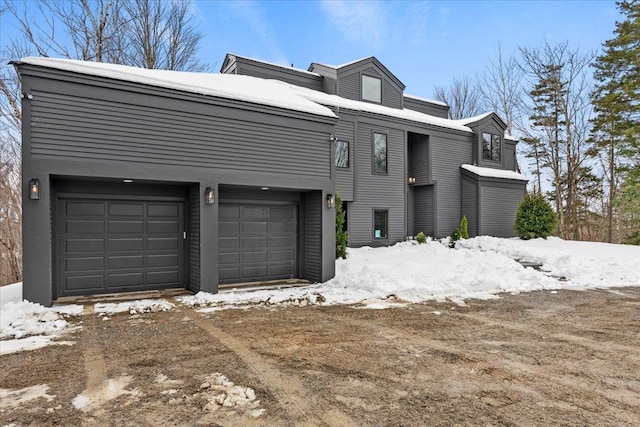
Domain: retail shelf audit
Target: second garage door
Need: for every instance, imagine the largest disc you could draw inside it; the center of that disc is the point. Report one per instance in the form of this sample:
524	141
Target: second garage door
257	242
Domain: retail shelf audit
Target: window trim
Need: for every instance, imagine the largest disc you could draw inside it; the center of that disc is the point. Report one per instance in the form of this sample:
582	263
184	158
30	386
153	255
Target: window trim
348	154
373	153
491	147
362	98
386	211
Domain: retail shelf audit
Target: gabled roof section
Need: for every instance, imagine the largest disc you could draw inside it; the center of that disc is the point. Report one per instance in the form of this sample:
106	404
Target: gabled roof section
476	120
494	173
353	64
229	86
231	57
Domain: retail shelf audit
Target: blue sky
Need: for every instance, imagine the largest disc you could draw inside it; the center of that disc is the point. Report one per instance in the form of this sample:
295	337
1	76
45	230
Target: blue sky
424	43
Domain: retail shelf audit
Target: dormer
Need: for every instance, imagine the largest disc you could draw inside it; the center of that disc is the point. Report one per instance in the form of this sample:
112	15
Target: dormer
489	144
365	80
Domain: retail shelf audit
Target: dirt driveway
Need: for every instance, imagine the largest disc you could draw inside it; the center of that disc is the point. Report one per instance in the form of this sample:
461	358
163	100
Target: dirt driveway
542	358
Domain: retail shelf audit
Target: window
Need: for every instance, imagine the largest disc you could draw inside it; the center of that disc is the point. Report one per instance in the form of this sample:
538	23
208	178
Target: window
380	224
342	154
371	89
379	153
490	146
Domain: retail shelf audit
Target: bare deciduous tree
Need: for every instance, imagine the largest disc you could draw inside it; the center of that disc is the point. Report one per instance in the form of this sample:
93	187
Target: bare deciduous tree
462	97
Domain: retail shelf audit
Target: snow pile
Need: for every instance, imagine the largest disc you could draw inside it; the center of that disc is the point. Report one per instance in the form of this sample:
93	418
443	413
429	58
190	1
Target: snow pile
134	307
10	293
15	398
583	265
477	268
93	398
219	393
28	326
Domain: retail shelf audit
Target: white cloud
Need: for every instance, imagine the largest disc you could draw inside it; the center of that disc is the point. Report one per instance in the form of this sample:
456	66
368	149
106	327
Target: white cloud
358	21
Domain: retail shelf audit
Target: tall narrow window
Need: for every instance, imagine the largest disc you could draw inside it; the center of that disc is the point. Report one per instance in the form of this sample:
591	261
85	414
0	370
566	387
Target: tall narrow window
342	154
490	146
379	153
380	224
371	89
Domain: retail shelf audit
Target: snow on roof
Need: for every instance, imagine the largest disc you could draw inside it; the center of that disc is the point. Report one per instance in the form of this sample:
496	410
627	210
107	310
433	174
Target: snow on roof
511	137
494	173
237	87
473	119
345	64
337	101
430	101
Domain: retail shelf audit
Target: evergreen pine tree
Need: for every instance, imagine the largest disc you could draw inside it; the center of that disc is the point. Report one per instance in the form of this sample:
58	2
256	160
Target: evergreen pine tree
616	128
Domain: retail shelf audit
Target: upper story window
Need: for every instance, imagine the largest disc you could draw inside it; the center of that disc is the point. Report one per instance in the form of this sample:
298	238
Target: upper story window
379	153
371	89
491	146
342	154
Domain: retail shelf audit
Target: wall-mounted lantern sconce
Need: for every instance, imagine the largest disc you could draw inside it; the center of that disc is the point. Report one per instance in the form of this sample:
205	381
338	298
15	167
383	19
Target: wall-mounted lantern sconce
412	180
34	189
332	138
331	201
209	196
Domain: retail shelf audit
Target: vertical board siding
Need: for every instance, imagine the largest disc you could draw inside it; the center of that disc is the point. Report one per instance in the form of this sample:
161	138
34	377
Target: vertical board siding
64	126
448	155
419	157
378	191
498	206
469	206
344	177
423	210
194	237
313	236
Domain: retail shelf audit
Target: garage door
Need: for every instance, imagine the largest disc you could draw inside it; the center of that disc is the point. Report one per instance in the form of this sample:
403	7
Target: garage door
257	243
117	246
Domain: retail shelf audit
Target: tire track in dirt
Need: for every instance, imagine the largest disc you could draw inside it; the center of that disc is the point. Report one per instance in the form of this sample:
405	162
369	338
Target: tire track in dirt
94	362
411	338
288	391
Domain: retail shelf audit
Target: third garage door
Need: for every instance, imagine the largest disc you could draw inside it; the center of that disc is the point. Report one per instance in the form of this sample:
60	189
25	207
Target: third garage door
257	242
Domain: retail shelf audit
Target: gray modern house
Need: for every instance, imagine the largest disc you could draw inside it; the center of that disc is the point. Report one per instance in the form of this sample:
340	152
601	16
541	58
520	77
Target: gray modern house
147	179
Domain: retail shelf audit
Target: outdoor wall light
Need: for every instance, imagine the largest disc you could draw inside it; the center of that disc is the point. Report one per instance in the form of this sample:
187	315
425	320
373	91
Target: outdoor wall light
209	196
34	189
331	201
412	180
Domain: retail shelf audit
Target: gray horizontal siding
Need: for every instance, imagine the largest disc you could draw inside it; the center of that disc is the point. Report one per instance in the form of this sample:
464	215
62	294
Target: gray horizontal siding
391	97
266	71
349	86
344	177
419	157
469	206
329	85
426	108
498	206
378	191
448	154
65	126
509	157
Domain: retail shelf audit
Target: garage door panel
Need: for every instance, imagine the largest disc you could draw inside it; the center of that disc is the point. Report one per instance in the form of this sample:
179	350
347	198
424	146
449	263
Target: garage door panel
84	264
162	227
123	262
254	227
124	280
112	245
165	278
126	244
83	245
253	257
262	247
85	209
126	209
168	210
126	227
163	243
84	227
168	260
88	283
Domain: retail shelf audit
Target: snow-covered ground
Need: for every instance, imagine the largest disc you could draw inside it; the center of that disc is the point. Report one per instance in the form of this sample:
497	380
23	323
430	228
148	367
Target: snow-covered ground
378	278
